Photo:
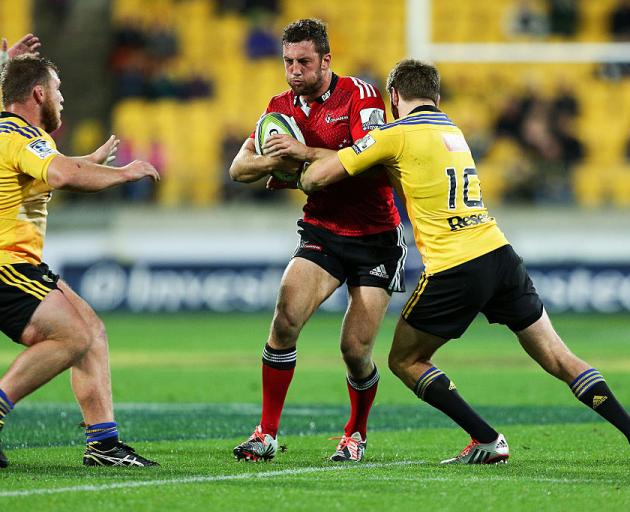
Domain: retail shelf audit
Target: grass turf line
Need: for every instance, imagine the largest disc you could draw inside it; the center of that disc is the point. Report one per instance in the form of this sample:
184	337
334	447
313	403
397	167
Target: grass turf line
211	358
551	469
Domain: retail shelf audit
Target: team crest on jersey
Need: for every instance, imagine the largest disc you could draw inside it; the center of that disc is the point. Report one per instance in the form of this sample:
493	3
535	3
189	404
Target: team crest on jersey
372	118
362	144
330	119
41	148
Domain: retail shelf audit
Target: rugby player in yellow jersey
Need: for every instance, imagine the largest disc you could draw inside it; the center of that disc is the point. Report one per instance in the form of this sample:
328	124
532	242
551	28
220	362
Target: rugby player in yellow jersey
469	265
37	309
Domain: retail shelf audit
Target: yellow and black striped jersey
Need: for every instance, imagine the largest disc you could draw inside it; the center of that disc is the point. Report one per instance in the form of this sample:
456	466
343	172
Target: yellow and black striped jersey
433	171
25	154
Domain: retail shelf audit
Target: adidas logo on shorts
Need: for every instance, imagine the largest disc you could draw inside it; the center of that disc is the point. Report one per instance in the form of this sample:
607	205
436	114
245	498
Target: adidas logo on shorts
380	271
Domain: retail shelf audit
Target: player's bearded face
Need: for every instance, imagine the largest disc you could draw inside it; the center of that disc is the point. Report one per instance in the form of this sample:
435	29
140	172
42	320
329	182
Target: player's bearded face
52	105
50	115
305	68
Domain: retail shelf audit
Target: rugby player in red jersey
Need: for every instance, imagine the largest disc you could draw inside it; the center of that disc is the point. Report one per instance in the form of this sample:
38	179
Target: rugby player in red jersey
350	233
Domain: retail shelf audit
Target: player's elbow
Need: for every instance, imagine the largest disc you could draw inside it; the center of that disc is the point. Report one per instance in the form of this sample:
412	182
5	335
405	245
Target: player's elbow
238	172
309	183
307	187
235	172
60	173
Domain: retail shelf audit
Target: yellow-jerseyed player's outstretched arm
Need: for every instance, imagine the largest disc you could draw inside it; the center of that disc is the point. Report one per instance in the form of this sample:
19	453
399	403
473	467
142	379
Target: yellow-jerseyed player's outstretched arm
104	154
325	169
84	176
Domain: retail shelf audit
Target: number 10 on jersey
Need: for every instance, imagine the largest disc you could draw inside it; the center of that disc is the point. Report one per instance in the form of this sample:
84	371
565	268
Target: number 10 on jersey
471	190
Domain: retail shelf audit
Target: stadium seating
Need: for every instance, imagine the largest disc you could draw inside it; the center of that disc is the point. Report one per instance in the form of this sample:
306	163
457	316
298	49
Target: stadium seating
15	19
211	44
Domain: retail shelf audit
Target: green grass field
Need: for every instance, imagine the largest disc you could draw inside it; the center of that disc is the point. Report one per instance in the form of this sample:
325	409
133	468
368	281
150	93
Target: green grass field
187	389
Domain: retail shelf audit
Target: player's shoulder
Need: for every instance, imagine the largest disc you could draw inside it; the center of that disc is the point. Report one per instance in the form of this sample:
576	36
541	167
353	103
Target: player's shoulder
421	119
281	102
358	87
13	129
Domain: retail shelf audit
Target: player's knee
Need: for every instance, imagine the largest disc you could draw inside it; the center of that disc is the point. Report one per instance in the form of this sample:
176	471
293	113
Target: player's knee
285	328
79	343
356	352
98	331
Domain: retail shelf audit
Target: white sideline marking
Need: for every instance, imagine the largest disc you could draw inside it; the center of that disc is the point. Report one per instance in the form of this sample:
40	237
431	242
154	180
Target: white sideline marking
199	479
301	471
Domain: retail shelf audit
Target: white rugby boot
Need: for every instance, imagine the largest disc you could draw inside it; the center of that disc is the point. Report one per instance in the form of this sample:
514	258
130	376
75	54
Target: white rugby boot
495	452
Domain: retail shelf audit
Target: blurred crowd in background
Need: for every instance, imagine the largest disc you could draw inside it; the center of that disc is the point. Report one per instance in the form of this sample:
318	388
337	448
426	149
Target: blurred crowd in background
189	79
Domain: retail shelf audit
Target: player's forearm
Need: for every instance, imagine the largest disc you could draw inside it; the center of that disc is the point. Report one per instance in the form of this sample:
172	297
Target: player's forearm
322	172
86	158
82	175
314	154
310	179
248	166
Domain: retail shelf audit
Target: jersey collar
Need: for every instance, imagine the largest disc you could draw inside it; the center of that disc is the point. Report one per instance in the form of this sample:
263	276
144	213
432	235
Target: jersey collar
297	101
424	108
5	114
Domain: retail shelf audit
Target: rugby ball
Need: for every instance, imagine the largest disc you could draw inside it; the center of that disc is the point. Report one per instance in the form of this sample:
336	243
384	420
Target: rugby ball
275	123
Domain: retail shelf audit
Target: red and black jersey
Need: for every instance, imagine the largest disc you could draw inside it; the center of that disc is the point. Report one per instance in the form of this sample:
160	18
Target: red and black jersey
345	113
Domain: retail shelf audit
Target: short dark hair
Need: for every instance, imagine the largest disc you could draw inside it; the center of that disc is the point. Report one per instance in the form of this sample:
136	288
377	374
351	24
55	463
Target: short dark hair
308	30
414	79
21	74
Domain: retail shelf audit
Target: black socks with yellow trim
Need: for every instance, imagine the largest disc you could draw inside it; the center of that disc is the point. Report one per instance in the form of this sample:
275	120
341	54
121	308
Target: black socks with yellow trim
436	389
591	389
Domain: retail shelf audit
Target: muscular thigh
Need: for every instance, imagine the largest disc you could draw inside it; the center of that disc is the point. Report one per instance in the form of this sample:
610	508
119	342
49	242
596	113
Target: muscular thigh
88	314
304	286
62	315
366	308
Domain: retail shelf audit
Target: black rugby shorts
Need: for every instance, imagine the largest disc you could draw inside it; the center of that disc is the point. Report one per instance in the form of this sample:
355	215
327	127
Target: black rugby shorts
495	284
372	260
22	288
